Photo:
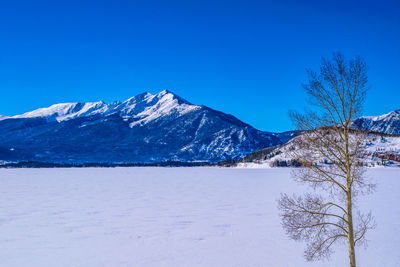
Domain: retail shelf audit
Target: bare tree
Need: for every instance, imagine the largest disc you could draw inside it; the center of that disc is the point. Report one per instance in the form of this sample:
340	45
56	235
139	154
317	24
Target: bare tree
329	152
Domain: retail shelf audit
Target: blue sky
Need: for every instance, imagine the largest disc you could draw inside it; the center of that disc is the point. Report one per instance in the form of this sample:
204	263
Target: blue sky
246	58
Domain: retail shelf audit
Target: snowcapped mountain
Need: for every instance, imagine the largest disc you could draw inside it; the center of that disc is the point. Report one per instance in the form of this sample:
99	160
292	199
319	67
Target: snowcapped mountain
387	123
144	128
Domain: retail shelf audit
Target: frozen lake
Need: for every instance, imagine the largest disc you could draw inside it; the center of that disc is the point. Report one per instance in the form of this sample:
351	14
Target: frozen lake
170	217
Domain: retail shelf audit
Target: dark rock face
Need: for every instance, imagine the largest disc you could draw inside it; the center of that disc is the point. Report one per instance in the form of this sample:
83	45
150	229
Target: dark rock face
145	128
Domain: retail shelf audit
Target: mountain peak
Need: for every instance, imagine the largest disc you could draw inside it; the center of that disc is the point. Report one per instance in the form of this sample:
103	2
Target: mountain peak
141	96
164	92
167	94
146	107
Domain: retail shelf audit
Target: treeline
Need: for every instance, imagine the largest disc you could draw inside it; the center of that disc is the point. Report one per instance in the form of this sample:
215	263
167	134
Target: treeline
262	154
37	164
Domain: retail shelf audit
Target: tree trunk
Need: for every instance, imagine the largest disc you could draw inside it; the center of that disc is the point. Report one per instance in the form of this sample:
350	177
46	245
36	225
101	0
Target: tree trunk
350	234
352	253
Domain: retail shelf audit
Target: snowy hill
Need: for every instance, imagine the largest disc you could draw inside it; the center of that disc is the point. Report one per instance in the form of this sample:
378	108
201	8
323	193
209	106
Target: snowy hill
381	147
387	123
377	149
144	128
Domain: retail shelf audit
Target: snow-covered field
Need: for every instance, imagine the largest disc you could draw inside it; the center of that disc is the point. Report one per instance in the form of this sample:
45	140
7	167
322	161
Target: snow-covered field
170	217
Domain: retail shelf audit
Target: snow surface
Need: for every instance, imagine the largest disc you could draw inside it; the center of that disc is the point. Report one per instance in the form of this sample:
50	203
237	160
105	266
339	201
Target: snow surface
170	217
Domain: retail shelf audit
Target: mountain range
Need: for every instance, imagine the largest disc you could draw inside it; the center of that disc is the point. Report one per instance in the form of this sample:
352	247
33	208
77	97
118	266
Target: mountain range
145	128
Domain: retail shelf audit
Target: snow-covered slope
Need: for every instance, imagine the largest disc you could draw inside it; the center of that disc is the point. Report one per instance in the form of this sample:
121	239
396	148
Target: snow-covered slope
144	128
377	149
66	111
388	123
2	117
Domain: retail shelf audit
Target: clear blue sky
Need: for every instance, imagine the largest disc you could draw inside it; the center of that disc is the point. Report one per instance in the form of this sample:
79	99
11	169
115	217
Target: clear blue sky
246	58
